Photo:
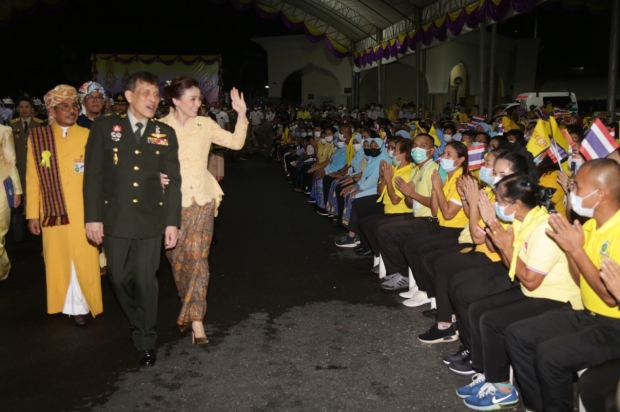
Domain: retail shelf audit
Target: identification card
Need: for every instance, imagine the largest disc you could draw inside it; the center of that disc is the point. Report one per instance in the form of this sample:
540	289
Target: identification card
78	166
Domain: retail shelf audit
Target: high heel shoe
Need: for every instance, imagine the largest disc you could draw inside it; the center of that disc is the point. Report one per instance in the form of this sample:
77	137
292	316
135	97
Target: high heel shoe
199	341
183	328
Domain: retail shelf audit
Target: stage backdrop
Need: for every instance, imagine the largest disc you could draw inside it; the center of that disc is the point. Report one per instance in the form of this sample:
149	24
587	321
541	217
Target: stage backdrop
113	70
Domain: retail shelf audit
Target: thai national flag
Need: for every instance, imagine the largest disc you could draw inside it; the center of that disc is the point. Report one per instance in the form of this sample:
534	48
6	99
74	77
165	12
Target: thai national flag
476	156
540	114
500	129
598	143
471	126
478	119
560	112
556	152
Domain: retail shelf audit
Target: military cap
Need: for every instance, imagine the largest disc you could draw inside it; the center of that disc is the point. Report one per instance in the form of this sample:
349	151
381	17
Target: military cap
119	98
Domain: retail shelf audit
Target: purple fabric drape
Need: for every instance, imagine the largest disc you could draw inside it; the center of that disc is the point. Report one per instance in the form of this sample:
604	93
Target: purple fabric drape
157	58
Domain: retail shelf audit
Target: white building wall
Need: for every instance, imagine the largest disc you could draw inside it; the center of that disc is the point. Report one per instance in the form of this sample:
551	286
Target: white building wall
326	75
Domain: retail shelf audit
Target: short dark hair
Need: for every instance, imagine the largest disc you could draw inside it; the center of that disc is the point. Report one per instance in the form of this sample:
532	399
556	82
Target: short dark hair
451	127
145	77
575	129
177	88
24	99
405	146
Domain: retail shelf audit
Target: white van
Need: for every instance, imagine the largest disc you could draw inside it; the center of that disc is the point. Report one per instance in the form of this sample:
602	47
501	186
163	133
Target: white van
542	99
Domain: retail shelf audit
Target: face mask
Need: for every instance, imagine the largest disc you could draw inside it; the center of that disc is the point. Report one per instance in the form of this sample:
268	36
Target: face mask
372	152
500	211
329	139
576	203
357	147
512	141
391	153
217	111
395	161
340	144
446	137
496	180
323	141
485	176
476	144
447	165
317	134
342	138
419	155
304	134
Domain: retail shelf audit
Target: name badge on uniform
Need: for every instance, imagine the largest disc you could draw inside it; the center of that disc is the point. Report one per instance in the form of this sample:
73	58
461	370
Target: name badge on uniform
78	166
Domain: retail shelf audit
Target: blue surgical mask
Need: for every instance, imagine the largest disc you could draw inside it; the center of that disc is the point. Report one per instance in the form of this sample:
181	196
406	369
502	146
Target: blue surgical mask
485	175
476	144
447	165
500	211
395	161
419	155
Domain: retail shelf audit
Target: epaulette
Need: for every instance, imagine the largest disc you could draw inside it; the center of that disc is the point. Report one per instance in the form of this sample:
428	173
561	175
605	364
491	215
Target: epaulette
107	114
37	120
16	120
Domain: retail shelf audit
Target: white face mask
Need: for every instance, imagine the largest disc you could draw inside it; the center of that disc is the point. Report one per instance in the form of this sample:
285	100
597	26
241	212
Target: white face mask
340	144
317	134
323	140
447	138
217	111
342	138
391	153
329	139
357	147
576	203
447	165
304	134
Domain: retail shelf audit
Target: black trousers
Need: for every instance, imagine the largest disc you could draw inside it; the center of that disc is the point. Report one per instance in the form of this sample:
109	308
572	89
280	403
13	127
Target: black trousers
360	208
302	177
327	184
340	200
546	350
390	235
442	265
489	317
132	265
413	249
464	288
370	224
598	387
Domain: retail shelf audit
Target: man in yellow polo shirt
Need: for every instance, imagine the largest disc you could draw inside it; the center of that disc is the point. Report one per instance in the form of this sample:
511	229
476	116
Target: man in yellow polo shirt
546	350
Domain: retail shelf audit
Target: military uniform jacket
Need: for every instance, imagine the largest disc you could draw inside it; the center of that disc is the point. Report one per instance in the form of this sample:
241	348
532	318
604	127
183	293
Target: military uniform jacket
21	142
122	185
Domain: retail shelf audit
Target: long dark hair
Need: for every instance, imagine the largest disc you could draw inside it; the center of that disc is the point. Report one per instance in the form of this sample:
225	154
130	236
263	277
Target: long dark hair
461	151
177	88
522	187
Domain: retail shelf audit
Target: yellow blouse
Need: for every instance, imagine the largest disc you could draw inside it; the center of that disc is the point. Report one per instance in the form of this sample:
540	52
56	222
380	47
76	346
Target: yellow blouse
400	207
195	140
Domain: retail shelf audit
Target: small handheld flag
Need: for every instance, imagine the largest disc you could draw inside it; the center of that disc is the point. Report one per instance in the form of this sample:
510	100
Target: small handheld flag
598	143
478	119
475	156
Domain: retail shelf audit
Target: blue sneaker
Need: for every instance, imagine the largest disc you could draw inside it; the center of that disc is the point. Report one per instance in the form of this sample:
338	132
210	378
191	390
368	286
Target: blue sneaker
489	398
477	382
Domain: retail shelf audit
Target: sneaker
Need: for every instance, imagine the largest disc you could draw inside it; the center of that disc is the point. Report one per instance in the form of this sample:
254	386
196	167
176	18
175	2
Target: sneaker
311	201
436	335
346	241
330	216
357	240
322	212
409	294
419	298
477	382
461	354
490	398
398	282
462	367
388	277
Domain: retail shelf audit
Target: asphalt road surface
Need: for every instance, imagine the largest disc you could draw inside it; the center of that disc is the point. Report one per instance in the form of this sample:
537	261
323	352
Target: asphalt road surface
295	324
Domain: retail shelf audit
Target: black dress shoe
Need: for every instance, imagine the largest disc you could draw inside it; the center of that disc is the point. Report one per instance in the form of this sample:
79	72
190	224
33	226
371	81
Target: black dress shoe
363	252
80	320
148	357
430	313
358	249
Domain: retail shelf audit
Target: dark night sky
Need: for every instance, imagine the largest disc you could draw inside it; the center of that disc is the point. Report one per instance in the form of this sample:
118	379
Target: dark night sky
52	46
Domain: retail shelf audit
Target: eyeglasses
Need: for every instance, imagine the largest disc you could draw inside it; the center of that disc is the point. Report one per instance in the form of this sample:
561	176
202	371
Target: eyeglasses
93	99
68	107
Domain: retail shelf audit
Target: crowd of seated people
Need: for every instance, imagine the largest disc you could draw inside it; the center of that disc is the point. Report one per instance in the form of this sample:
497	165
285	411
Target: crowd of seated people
513	251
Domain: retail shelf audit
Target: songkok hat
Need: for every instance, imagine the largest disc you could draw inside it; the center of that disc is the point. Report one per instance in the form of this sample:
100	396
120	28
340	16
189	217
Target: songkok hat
119	98
89	87
7	100
58	95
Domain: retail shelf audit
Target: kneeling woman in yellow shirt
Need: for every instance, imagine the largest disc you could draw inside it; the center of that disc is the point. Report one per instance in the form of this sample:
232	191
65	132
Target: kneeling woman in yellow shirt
545	284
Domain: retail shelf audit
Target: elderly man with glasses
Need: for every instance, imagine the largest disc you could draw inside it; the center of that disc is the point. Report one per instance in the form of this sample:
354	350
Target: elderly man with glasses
55	208
92	96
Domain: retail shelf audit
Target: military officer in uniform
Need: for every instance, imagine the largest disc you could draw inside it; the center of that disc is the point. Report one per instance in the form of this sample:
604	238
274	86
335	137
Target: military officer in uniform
123	200
21	125
120	104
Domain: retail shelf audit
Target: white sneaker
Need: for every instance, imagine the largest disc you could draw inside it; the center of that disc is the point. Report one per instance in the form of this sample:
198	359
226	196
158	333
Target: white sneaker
409	294
419	298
